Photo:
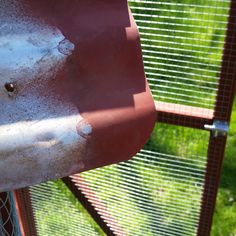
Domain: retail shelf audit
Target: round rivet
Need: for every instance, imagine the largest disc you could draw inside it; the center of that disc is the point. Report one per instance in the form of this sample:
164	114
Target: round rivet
9	87
84	129
66	47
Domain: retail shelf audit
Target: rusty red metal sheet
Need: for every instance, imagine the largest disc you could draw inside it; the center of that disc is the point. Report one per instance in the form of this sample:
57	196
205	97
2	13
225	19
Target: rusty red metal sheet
72	88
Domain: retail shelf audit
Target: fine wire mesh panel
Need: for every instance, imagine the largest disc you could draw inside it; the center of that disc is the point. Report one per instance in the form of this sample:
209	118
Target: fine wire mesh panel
58	213
9	225
159	191
182	44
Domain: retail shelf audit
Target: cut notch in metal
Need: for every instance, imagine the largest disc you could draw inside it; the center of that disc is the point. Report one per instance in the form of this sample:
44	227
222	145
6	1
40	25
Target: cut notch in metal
218	128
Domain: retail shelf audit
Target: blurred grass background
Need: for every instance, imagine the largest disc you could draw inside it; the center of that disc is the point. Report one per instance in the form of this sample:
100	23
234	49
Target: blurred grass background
182	44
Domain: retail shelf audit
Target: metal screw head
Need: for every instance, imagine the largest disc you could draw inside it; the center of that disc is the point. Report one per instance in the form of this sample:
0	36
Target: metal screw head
9	87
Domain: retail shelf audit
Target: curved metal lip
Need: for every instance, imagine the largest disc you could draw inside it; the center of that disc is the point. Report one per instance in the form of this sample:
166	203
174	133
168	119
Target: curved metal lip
69	102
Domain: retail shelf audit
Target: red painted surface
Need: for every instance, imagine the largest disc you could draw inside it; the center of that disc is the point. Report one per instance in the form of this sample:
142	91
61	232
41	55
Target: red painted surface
104	76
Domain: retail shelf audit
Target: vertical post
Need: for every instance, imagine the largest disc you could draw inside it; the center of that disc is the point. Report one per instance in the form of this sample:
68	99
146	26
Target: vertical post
25	212
222	112
227	82
215	156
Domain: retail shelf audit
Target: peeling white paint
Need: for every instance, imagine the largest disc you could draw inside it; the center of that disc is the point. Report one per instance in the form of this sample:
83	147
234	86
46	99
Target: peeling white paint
39	139
43	133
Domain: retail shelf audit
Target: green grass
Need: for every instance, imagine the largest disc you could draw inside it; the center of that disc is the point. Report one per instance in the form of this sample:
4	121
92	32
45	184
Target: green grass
59	213
131	189
189	46
110	186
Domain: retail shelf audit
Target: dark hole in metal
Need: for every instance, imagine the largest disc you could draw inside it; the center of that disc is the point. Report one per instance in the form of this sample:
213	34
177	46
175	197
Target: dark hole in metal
9	87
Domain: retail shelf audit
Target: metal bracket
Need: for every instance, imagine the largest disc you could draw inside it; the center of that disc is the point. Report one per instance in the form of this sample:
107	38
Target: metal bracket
218	128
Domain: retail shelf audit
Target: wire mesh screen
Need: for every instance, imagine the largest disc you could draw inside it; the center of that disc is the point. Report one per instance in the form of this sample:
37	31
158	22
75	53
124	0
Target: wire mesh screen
58	213
182	45
159	191
9	225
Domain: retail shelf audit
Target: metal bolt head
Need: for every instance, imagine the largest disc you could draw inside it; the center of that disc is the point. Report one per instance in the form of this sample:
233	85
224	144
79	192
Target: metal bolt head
9	87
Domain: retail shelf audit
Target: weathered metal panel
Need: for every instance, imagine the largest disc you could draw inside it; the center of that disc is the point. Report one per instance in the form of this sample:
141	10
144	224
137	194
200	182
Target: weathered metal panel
72	87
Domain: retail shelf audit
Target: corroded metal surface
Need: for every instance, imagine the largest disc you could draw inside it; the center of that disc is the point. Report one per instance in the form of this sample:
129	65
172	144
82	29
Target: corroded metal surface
72	88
